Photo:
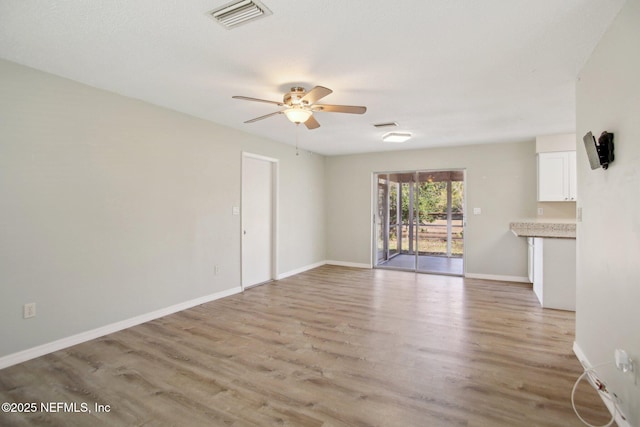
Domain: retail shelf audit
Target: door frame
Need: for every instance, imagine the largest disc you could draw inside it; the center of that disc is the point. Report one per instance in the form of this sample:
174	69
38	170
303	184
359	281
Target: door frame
275	163
374	215
385	249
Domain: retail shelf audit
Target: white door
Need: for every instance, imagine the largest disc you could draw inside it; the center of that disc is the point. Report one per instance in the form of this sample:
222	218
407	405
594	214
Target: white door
257	219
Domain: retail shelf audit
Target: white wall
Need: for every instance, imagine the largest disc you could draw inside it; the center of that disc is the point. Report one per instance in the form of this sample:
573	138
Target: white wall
111	208
557	142
501	180
608	243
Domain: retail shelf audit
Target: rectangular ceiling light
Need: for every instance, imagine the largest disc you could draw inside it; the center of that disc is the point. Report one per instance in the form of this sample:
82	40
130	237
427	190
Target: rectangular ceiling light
396	136
236	13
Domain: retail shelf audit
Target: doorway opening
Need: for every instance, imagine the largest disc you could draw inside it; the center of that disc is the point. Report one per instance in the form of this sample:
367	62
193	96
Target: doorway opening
419	221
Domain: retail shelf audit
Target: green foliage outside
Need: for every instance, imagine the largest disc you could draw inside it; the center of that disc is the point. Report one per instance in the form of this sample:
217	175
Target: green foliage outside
430	201
431	206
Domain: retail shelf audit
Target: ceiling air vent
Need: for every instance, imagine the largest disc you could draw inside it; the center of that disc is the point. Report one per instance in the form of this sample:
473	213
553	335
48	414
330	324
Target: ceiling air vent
236	13
385	125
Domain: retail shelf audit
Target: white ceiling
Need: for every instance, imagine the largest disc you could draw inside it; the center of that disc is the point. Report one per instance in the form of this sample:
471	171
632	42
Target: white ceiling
451	71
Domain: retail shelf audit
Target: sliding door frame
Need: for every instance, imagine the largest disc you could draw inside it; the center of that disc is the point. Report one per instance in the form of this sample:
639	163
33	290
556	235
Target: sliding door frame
416	218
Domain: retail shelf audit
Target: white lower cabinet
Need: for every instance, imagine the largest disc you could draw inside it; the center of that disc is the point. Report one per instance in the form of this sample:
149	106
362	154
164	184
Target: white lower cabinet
554	272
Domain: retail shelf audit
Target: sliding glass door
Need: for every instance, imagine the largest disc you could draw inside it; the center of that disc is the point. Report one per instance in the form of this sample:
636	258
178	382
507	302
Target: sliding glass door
419	221
441	222
382	225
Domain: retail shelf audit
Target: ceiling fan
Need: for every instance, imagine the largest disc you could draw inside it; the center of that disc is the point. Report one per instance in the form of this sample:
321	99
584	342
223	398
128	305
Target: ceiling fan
300	106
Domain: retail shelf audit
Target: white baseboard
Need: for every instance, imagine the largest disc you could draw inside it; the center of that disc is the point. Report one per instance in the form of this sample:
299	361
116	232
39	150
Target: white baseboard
41	350
300	270
320	264
497	277
582	358
348	264
586	364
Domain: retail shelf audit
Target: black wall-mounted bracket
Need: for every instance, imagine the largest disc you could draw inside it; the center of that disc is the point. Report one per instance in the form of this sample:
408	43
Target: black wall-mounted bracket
600	152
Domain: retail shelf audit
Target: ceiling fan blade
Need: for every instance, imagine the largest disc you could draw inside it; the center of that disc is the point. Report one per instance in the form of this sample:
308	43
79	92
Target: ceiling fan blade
246	98
264	117
312	123
315	94
352	109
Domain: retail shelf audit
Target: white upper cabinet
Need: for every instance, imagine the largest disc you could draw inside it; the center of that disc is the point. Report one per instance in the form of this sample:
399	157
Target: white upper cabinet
573	176
557	176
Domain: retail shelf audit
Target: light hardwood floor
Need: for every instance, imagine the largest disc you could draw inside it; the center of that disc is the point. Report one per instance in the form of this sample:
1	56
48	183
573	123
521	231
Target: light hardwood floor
333	346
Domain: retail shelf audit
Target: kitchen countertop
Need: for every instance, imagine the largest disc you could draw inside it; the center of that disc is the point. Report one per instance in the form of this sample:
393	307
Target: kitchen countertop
561	229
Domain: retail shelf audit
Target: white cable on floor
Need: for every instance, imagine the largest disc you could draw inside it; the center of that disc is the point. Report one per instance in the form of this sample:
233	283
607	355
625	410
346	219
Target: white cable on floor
573	392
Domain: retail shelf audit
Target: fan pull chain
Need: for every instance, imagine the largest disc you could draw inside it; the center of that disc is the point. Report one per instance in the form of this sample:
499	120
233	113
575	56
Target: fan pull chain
297	137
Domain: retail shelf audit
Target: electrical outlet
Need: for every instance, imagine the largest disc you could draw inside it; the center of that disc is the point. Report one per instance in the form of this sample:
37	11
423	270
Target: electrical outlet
540	211
216	270
29	310
477	211
623	361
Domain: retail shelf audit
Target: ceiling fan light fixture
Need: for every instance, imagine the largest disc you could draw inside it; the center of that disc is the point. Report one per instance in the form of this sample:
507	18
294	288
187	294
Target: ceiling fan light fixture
297	115
299	106
397	137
